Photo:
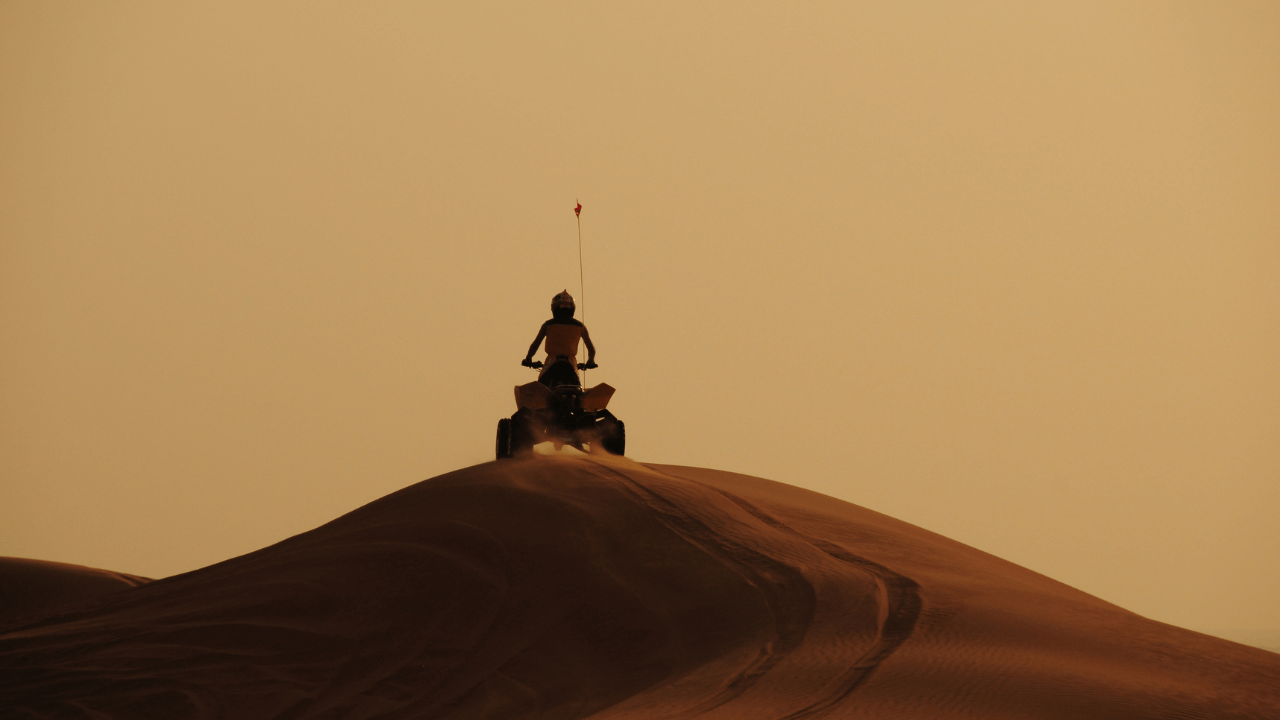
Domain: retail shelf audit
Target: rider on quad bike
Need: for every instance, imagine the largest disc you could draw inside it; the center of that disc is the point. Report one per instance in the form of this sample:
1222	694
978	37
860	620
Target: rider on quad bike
562	333
556	408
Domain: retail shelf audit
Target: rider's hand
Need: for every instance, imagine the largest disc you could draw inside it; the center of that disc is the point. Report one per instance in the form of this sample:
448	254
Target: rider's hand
527	362
587	366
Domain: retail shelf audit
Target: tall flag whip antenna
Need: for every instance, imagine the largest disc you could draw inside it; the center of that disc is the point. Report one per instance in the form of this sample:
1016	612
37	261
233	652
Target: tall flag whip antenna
582	291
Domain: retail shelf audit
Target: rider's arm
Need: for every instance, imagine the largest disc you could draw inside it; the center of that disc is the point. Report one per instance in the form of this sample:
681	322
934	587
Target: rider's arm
542	333
591	349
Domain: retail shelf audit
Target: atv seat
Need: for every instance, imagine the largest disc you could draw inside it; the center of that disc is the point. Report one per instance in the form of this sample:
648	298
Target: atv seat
560	373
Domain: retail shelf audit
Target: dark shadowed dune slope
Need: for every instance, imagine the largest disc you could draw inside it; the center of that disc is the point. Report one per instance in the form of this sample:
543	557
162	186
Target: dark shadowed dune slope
30	588
597	587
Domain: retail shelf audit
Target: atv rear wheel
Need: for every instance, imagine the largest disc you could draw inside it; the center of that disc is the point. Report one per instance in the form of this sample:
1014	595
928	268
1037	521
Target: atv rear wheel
614	437
503	449
521	429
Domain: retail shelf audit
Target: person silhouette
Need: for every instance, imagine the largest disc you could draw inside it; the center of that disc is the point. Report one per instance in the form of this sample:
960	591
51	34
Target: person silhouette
562	333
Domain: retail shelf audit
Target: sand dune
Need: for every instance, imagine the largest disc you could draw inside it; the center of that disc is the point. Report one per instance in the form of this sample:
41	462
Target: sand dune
598	587
36	587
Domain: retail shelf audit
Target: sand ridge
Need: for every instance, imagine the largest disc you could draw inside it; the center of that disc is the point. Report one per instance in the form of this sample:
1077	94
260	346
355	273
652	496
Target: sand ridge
574	587
30	588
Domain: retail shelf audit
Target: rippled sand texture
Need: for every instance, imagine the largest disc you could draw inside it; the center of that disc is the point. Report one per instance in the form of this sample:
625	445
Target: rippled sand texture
573	587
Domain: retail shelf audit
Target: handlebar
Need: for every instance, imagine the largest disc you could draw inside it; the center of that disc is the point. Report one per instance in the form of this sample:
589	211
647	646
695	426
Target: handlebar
537	364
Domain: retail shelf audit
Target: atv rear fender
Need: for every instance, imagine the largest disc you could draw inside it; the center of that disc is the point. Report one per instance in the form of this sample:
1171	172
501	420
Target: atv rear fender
536	396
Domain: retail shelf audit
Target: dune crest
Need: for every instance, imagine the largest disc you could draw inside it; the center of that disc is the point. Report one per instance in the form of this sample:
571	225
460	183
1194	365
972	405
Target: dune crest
30	588
574	587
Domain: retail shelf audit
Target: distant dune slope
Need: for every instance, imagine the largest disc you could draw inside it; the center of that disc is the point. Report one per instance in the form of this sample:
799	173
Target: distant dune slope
597	587
30	588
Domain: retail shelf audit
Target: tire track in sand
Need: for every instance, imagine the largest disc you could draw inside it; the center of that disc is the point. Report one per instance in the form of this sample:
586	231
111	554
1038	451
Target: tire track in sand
790	597
900	606
899	601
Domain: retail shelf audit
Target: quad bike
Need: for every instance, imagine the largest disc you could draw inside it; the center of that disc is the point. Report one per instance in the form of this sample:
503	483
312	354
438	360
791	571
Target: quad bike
556	408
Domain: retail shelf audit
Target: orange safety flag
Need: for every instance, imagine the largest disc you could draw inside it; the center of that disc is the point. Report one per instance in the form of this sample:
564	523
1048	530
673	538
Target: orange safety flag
577	212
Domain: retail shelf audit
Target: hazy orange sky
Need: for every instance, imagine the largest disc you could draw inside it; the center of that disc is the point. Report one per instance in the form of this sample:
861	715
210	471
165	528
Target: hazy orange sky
1005	272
